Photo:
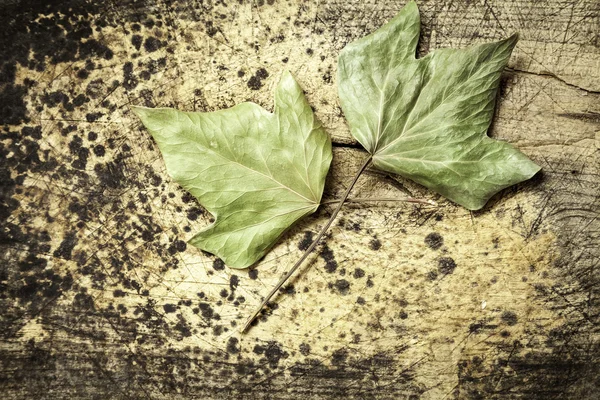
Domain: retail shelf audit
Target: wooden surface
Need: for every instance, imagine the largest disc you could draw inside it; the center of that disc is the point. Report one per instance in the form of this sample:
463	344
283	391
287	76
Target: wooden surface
102	299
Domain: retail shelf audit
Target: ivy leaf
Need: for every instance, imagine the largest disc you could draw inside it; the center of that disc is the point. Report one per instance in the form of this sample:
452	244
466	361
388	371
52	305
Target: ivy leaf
427	119
256	172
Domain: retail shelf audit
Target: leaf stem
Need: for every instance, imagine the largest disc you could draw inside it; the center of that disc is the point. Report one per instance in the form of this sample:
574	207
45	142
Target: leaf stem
390	199
309	249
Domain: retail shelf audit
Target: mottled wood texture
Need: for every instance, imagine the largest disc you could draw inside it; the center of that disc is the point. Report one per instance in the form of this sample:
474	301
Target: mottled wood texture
101	297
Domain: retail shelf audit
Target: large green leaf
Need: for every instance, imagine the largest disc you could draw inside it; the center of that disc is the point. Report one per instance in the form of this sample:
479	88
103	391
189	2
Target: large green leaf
256	172
427	119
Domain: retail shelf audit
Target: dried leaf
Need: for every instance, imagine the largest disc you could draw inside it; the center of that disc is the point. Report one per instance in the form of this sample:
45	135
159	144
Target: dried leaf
256	172
427	119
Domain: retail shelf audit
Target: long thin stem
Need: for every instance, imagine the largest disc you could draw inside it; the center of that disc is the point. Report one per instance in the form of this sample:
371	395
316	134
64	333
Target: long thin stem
310	248
374	199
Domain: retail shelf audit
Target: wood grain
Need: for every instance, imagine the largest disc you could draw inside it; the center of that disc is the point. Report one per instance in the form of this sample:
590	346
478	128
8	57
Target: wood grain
102	298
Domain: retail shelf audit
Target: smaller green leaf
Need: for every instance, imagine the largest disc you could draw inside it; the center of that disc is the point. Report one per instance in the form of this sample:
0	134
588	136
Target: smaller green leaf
426	119
256	172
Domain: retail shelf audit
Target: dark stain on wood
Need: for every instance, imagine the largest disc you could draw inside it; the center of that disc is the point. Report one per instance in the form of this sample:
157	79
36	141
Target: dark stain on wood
81	212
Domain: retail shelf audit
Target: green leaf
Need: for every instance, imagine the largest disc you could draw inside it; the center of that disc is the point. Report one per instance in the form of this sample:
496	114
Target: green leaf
427	119
256	172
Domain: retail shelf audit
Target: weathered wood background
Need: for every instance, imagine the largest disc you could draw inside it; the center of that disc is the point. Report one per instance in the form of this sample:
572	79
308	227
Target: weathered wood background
102	299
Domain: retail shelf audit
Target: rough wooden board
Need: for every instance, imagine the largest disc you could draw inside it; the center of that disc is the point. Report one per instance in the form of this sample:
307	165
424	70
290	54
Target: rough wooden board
102	299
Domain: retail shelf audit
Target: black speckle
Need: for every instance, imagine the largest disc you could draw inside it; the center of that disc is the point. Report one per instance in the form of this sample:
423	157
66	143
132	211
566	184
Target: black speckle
217	330
224	293
403	315
309	51
136	41
99	150
509	318
434	240
149	23
170	308
232	345
183	327
187	197
53	99
82	156
83	73
360	300
432	275
152	44
66	247
218	265
241	73
82	153
118	293
181	245
194	212
255	81
80	100
375	244
129	80
234	281
177	246
272	352
475	327
327	255
351	226
253	274
304	349
93	117
75	145
285	60
342	286
289	289
306	241
358	273
446	265
207	312
155	179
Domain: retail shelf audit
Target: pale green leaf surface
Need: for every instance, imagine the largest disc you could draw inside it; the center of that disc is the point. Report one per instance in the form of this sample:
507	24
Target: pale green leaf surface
427	119
256	172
